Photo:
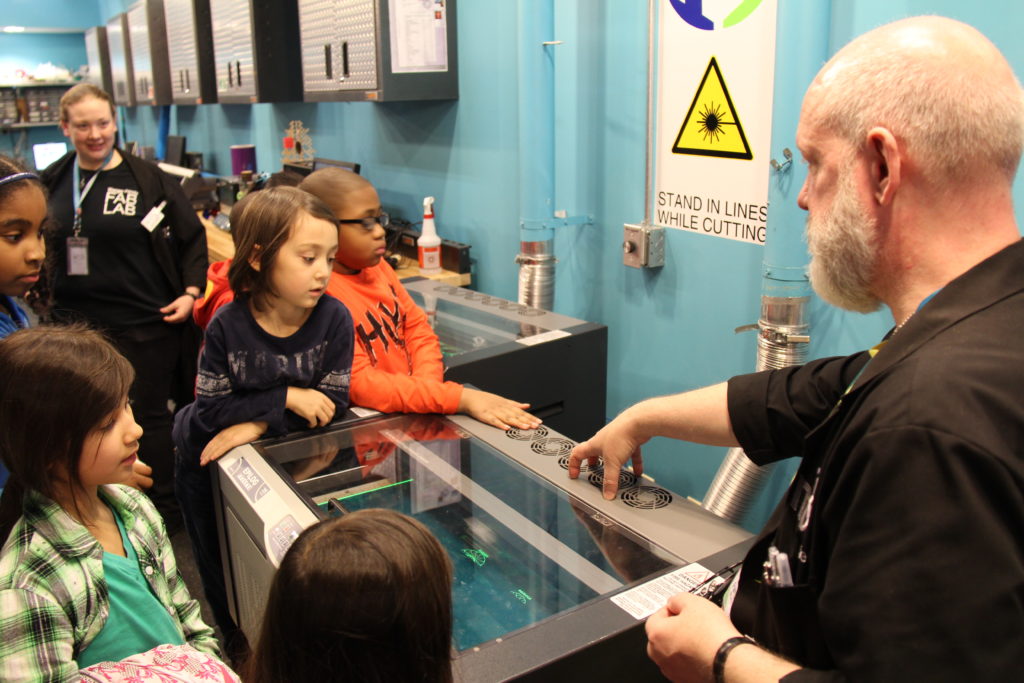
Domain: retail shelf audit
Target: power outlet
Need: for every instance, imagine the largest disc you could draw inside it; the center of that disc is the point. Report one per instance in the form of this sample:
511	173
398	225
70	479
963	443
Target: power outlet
643	246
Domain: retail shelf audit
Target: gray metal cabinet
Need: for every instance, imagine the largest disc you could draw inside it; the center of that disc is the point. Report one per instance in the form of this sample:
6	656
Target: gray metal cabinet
256	51
98	55
378	50
120	61
190	37
148	40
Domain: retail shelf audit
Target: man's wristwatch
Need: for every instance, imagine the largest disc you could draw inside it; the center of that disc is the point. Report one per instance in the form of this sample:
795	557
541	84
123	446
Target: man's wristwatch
718	666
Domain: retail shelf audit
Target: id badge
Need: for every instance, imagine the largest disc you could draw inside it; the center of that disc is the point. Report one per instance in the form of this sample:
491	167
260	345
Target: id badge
78	256
155	215
153	218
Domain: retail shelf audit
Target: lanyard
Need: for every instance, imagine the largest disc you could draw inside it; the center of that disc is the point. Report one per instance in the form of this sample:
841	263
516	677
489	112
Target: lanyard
78	192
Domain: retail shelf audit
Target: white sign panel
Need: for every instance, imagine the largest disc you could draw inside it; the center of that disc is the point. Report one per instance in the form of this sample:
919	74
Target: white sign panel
716	67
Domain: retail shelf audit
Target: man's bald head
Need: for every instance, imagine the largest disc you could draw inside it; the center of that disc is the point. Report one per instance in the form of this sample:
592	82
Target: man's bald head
938	85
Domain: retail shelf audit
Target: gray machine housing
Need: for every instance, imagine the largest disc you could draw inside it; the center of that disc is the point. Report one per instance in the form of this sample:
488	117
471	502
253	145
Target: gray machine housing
261	510
557	364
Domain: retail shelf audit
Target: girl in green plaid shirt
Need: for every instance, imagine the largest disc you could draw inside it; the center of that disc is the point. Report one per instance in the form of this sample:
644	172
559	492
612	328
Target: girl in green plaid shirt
87	573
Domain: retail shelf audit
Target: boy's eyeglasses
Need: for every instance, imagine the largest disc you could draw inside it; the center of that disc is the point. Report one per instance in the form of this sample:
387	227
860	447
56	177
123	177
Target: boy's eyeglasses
370	222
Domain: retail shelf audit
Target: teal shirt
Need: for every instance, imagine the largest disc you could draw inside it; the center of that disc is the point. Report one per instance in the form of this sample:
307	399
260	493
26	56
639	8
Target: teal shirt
54	599
137	621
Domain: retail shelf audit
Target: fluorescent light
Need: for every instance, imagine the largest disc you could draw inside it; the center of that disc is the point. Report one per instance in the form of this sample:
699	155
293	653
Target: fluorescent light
14	29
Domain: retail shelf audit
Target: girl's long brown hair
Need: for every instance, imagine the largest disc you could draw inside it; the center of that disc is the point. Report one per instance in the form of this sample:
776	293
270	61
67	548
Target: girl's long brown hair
57	385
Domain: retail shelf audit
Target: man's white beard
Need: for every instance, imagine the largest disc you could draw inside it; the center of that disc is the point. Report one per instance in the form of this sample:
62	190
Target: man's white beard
843	258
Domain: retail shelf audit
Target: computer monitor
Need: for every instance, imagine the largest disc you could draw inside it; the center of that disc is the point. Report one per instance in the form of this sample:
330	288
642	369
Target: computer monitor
45	153
175	152
319	163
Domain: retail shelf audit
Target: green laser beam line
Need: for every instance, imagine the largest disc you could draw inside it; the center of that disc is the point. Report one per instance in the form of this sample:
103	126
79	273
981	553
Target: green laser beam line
379	488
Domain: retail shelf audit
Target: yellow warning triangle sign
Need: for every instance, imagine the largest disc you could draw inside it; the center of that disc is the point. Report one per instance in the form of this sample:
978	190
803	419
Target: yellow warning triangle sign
711	127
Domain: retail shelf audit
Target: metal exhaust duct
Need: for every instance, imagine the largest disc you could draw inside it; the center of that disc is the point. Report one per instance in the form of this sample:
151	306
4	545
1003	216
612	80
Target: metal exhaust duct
801	46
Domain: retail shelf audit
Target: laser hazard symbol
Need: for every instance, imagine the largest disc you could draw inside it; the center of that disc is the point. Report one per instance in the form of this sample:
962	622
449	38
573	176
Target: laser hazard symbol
711	127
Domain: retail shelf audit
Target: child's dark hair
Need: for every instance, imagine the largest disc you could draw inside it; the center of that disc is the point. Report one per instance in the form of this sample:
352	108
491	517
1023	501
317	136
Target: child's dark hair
57	385
333	185
364	597
14	178
260	224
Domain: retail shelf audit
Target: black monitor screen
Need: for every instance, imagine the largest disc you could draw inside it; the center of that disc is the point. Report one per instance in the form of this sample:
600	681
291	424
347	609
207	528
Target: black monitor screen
175	153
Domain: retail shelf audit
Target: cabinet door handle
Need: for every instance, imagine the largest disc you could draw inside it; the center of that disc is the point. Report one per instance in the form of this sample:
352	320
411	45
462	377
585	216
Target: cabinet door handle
344	60
231	76
238	72
181	80
188	81
328	71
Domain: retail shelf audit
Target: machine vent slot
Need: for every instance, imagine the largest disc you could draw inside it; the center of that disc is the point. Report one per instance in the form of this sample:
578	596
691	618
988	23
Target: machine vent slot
585	467
527	434
626	479
553	446
646	497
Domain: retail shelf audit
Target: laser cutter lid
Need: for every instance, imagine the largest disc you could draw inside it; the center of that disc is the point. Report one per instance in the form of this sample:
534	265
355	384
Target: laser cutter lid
522	549
466	320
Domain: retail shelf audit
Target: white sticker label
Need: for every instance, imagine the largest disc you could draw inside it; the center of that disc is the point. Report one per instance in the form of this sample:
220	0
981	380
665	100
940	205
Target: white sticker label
646	599
543	337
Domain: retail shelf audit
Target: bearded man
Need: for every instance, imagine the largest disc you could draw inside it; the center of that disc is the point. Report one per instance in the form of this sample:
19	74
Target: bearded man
903	530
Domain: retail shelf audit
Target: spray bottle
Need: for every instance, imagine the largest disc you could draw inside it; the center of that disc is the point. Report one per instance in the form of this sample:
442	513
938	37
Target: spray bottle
429	244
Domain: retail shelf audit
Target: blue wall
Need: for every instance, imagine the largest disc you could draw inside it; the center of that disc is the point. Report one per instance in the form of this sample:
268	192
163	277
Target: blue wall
26	50
669	330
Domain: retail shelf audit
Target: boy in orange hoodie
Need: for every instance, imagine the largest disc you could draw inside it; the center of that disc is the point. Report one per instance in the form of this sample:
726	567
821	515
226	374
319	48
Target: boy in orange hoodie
397	364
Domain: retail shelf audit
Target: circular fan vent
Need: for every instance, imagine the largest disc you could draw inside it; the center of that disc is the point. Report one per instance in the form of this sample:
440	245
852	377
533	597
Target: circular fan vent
626	479
585	467
553	446
526	434
646	497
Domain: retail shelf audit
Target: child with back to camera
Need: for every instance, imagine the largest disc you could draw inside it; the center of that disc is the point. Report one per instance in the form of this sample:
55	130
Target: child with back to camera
397	366
364	597
87	573
275	360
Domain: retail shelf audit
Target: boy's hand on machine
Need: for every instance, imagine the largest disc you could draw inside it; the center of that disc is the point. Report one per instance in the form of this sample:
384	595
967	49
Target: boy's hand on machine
615	445
311	405
178	310
495	410
142	476
228	438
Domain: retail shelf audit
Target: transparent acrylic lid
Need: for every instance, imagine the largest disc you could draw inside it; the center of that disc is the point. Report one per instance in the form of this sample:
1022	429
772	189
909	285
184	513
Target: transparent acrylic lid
463	328
522	549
